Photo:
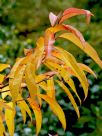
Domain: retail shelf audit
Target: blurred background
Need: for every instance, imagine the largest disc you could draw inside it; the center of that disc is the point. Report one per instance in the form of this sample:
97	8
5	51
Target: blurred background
21	23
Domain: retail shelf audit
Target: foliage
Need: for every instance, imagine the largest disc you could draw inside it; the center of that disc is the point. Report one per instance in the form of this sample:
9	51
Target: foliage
60	65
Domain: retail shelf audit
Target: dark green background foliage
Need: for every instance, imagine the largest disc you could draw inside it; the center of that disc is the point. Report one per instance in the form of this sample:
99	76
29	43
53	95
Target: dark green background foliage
21	23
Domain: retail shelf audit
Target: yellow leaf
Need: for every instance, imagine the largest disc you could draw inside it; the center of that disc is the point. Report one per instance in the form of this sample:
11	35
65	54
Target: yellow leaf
87	49
39	52
2	129
24	108
15	83
65	76
70	82
9	117
37	112
87	69
32	86
15	67
4	94
55	108
70	97
4	66
71	62
23	113
45	76
51	88
1	78
43	85
5	105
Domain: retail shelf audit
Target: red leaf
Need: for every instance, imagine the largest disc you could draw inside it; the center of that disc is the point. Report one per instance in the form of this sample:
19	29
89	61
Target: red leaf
76	32
69	28
68	13
48	42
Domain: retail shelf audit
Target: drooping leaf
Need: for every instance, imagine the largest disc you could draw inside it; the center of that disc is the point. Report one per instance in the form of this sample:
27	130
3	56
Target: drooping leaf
39	52
55	108
70	97
32	86
70	12
63	73
69	28
1	78
2	128
87	69
9	118
88	49
38	115
65	76
51	88
71	62
23	107
23	113
31	75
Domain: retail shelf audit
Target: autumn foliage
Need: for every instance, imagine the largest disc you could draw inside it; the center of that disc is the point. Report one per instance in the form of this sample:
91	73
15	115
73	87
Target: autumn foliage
60	67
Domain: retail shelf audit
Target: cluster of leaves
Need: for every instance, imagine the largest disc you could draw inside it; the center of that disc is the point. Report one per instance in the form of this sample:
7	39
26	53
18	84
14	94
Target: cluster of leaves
60	66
